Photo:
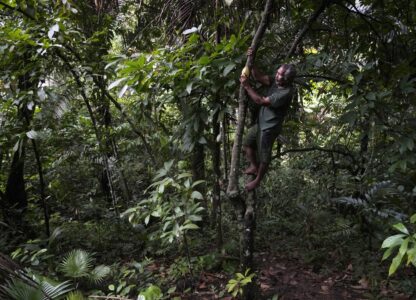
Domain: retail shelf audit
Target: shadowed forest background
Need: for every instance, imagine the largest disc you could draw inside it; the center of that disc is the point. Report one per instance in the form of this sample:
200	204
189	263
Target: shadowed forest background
117	122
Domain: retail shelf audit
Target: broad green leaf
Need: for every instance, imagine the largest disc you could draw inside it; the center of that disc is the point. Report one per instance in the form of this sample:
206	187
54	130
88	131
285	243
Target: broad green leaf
183	175
403	247
411	255
33	135
393	241
395	264
194	218
387	253
400	227
413	219
228	69
204	60
198	182
190	226
116	83
122	91
196	195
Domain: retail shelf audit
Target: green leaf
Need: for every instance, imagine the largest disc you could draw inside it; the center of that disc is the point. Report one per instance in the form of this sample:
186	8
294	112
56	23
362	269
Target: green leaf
413	219
395	264
400	227
122	91
228	69
197	182
190	226
393	241
246	280
153	292
403	247
183	175
77	263
411	255
116	83
99	273
33	135
189	87
204	60
231	285
387	253
197	195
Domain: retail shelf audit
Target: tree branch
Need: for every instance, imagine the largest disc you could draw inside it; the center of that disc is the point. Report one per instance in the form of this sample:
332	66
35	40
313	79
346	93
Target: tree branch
116	104
324	4
18	9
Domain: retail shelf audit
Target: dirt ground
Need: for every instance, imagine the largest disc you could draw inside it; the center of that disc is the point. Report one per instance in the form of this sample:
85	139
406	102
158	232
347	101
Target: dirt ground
283	279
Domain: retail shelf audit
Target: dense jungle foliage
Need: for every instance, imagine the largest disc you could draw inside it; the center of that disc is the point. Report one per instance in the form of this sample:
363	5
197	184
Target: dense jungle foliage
117	120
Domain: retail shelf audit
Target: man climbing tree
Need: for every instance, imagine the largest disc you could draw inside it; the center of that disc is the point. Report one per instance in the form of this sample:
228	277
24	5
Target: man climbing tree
260	138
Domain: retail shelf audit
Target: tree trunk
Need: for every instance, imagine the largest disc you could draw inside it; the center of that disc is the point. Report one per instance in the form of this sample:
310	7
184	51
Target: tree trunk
15	194
216	203
245	207
43	199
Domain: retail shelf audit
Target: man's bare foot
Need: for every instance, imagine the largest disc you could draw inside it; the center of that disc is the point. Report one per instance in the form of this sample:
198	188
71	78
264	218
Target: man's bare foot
251	170
252	185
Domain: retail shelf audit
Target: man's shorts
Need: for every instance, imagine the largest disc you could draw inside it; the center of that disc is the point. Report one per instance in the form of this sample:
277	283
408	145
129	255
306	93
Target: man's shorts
263	140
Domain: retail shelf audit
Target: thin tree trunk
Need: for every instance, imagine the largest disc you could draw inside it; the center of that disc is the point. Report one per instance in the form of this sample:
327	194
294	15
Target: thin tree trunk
216	156
216	203
96	129
232	189
245	207
226	147
42	189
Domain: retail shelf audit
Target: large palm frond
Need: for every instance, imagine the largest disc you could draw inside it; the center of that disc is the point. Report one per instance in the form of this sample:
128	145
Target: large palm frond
17	283
78	263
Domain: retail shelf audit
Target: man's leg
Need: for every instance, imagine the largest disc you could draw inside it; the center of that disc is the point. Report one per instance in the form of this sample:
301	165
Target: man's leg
250	147
251	158
260	174
267	138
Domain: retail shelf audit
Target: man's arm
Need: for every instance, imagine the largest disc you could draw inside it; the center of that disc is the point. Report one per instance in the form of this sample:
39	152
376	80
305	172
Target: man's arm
252	93
257	74
260	76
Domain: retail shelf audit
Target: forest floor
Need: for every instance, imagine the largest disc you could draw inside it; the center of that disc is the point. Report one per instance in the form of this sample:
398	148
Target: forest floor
288	279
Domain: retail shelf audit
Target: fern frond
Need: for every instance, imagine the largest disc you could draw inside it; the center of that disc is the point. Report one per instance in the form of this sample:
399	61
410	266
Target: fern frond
53	292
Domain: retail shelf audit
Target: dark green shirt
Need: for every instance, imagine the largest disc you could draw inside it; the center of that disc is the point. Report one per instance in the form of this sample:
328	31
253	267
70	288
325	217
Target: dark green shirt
272	116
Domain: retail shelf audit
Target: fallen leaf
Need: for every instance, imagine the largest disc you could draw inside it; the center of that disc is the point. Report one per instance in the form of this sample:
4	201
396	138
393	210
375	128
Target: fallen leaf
325	289
364	283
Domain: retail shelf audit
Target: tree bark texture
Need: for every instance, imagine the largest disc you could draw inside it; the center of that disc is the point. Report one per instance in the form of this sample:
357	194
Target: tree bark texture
216	164
15	194
42	185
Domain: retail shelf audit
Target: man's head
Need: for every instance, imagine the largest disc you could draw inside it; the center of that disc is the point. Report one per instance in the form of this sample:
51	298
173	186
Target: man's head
285	75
